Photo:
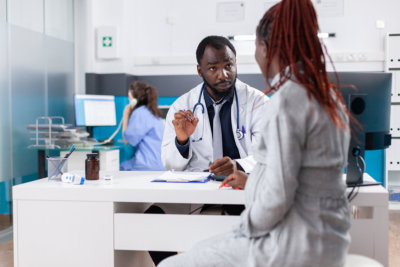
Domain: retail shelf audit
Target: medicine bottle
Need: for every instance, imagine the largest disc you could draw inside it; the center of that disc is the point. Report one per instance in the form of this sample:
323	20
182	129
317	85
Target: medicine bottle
92	167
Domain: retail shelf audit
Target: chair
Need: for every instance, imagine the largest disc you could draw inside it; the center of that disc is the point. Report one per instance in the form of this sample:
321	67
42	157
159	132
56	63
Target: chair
354	260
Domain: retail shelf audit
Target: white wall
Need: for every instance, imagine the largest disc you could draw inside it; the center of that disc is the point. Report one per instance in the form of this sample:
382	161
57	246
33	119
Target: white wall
161	36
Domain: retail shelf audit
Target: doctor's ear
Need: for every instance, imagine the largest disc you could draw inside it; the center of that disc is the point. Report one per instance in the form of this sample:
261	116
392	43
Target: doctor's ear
199	71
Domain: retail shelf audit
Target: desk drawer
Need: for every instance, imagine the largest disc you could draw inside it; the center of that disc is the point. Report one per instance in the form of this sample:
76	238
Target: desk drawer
167	232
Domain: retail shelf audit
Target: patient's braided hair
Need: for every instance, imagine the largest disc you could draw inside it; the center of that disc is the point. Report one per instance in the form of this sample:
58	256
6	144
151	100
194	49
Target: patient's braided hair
290	31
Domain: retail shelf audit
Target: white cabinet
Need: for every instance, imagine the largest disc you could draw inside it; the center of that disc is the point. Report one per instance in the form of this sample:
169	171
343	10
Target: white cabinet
63	233
109	160
392	65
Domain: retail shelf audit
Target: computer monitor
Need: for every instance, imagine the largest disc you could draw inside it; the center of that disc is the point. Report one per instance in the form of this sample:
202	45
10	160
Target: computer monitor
95	110
367	96
164	110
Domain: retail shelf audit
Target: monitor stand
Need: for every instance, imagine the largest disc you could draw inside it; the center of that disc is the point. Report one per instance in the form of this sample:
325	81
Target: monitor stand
360	181
89	129
364	183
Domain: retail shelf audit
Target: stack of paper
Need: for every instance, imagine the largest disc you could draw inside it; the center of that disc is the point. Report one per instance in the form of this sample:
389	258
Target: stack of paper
173	176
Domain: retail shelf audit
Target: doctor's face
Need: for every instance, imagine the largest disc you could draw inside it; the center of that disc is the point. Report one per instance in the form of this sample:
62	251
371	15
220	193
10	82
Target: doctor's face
218	70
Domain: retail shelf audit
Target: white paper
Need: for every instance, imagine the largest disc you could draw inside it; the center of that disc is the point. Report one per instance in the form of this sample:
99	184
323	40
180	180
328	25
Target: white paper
230	11
99	112
172	176
329	8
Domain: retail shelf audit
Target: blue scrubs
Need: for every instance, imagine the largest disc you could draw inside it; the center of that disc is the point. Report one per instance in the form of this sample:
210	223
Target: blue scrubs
145	132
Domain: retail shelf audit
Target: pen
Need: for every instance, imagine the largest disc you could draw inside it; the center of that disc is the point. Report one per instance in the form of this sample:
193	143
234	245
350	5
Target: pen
207	170
61	164
188	117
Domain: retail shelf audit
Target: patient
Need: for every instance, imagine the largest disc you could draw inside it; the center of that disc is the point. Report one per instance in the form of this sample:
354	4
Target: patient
296	210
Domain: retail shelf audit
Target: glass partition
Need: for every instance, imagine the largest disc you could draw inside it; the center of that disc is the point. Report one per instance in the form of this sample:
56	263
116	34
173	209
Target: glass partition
36	79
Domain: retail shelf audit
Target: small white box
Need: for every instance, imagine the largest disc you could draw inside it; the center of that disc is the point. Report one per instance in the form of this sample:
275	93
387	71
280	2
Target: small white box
107	42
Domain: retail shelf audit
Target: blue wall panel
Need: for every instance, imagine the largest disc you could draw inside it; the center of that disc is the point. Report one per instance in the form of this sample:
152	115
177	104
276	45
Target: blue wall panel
166	100
375	164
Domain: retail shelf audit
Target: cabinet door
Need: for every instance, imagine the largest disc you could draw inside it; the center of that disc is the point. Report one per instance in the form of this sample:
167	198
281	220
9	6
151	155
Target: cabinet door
63	233
395	120
393	156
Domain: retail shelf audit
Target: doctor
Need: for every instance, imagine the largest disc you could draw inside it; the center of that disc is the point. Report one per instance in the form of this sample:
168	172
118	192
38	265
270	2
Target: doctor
214	125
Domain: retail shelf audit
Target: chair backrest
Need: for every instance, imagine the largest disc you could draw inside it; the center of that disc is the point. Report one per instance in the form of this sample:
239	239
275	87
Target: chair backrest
353	260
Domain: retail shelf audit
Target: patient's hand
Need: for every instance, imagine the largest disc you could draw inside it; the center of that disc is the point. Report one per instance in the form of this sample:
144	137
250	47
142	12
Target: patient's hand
237	179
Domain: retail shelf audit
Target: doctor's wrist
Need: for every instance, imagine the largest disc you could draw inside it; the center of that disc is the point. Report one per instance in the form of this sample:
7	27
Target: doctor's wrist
238	167
182	141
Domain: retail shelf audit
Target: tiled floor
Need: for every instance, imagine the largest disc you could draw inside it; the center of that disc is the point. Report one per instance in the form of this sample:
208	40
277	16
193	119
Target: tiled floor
6	249
6	254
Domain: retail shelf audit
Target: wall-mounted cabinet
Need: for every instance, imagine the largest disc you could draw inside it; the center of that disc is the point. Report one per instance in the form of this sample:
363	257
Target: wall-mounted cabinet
392	64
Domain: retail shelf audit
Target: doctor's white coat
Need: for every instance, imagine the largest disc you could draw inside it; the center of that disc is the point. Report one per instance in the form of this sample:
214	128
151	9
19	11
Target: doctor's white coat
251	102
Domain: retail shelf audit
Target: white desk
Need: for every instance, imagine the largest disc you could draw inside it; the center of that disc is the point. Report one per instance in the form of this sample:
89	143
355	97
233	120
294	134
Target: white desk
58	224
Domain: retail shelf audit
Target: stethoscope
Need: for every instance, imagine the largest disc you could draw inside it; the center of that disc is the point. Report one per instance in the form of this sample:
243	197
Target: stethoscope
239	132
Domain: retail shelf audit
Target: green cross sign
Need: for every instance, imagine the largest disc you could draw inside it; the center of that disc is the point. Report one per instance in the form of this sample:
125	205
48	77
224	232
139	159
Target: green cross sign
107	41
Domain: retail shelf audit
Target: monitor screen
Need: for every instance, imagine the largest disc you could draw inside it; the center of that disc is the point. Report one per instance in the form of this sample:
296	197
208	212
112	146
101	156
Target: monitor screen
164	110
367	96
95	110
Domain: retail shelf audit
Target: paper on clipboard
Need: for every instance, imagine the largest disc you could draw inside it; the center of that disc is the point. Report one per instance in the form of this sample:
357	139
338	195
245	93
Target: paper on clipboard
173	176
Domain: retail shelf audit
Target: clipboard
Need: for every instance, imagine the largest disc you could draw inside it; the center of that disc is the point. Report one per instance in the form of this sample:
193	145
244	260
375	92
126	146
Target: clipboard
180	182
183	177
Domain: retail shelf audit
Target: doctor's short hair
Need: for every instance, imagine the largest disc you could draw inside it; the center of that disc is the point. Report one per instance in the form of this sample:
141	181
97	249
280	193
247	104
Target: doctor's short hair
214	41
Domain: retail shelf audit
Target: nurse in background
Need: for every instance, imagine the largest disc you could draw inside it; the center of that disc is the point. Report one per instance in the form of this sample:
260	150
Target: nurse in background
143	128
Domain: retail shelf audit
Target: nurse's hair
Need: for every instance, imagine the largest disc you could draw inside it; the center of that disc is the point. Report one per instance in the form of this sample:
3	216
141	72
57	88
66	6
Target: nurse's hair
146	95
217	42
290	31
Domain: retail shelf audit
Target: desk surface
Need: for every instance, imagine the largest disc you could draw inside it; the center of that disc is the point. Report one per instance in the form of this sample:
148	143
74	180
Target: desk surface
136	186
129	187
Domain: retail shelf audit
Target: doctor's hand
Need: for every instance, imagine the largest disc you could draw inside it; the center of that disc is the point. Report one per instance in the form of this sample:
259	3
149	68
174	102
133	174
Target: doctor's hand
185	123
237	179
224	165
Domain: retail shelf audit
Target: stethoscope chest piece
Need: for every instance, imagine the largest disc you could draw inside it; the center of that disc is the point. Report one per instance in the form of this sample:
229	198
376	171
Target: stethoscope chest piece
239	134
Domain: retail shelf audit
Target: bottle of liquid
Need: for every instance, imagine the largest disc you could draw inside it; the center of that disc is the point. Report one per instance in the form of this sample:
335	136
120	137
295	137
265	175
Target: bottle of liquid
92	167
